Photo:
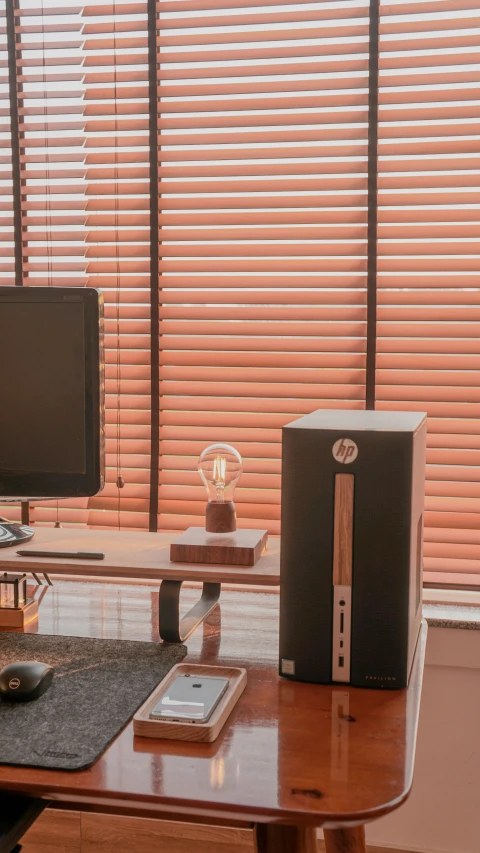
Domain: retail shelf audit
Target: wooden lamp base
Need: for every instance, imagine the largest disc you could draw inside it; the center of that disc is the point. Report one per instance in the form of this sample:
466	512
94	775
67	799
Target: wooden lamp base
240	548
18	617
220	517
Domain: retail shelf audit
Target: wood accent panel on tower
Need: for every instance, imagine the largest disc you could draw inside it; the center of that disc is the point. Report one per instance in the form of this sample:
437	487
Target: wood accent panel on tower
343	529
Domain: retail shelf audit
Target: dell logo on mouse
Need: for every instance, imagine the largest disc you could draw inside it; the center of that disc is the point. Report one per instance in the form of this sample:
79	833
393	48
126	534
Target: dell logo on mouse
14	683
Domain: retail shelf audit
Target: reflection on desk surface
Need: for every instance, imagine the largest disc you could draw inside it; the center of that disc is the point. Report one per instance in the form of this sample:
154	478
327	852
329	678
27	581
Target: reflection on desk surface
289	749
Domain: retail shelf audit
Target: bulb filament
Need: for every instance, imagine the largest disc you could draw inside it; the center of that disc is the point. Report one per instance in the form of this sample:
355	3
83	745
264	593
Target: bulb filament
219	472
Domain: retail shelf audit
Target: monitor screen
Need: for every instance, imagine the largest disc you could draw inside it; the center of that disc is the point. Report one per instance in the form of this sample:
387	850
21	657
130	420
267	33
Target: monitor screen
42	426
50	411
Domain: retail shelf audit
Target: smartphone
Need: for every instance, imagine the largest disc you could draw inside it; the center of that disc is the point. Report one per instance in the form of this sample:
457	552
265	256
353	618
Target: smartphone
191	698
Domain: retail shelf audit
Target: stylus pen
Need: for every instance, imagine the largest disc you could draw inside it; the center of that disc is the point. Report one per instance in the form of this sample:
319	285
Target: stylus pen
81	555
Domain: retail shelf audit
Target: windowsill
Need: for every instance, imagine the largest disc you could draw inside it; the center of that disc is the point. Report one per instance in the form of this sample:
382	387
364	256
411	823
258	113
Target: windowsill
469	597
461	616
452	608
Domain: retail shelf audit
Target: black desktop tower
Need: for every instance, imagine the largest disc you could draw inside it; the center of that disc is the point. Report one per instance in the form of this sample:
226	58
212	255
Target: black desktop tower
353	485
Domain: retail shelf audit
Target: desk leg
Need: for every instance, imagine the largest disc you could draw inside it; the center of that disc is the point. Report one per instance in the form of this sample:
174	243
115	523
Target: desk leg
172	628
276	838
347	840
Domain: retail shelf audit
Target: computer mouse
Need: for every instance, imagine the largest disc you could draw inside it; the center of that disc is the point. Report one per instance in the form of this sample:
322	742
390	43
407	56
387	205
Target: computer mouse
25	680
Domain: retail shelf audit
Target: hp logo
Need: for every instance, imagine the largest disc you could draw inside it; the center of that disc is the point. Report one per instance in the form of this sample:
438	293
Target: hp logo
345	450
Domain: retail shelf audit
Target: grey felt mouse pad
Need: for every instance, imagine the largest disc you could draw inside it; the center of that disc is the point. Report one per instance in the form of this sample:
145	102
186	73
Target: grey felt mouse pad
97	687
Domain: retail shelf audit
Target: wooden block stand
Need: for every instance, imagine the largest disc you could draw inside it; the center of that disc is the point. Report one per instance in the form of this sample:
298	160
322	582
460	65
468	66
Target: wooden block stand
18	617
240	548
198	732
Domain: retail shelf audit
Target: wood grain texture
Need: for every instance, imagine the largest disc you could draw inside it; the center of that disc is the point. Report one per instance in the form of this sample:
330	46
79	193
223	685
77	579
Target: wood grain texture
54	832
110	834
134	555
265	766
241	548
207	732
11	618
346	840
220	517
343	529
370	848
71	832
273	838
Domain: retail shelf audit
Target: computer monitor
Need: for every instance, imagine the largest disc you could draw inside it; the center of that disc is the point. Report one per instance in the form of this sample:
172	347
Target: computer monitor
51	392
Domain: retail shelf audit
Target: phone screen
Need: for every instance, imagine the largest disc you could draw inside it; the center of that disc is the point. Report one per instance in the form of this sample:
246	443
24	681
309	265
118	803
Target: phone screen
190	697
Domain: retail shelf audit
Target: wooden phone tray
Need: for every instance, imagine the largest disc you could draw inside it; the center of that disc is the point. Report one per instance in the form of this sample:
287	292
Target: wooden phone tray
199	732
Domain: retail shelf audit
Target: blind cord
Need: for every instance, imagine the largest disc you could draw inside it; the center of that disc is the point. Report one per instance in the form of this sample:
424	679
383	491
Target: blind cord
120	482
48	215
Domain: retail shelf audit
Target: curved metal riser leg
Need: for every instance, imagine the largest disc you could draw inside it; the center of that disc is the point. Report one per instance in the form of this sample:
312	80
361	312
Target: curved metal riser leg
172	628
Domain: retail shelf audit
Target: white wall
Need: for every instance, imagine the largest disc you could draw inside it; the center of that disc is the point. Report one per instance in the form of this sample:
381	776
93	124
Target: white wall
442	814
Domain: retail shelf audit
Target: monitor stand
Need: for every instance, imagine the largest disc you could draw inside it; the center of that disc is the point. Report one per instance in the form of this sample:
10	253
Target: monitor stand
13	533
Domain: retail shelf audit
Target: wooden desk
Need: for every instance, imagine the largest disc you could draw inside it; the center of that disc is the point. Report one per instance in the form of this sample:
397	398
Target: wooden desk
146	556
291	758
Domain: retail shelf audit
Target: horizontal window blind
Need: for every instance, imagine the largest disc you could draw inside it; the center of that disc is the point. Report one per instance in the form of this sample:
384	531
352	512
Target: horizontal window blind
7	245
263	211
262	146
83	145
428	258
51	128
117	223
7	261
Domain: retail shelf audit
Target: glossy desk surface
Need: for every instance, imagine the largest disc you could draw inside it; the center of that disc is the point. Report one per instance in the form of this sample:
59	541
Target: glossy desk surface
290	752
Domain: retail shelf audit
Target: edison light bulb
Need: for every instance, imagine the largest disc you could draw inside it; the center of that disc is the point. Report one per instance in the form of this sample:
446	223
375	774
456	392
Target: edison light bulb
220	467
